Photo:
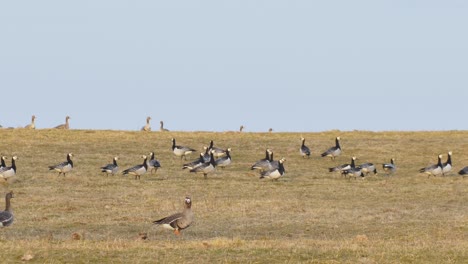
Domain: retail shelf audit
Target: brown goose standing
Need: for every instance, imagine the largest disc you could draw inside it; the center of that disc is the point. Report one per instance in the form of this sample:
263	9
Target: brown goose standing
161	128
64	126
32	125
147	127
6	217
178	221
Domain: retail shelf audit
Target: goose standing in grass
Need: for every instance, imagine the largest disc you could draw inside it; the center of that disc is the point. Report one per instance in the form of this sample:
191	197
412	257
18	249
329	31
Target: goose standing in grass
274	164
353	172
63	167
147	127
181	151
7	217
447	166
367	168
304	150
463	171
435	169
161	128
389	168
138	170
206	155
217	152
333	151
153	163
178	221
224	161
195	163
8	172
341	168
32	125
206	168
263	164
111	168
64	126
3	162
276	173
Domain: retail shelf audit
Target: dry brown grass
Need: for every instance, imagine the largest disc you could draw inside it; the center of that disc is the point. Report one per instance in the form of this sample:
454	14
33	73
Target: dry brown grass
309	215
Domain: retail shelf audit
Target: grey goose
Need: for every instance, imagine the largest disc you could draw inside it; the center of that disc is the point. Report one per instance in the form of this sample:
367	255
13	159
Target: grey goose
161	127
263	164
111	168
64	126
304	150
346	166
217	152
447	166
206	168
333	151
33	124
274	173
463	171
7	217
153	164
8	172
367	168
178	221
181	151
241	129
353	172
195	163
147	127
63	167
389	168
435	169
138	170
224	161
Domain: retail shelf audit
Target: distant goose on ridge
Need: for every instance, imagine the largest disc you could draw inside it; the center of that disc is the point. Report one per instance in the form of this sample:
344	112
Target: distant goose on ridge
147	127
32	125
64	126
161	127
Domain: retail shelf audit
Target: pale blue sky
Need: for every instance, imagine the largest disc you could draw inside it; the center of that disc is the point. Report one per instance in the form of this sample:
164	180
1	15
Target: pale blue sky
214	65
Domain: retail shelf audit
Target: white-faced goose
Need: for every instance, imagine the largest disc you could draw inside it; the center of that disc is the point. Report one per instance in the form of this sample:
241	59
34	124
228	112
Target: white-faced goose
217	152
367	168
3	162
8	172
304	150
195	163
463	171
32	125
206	168
138	170
153	163
353	172
333	151
161	127
341	168
181	151
63	167
224	161
7	217
435	169
66	125
178	221
274	164
276	173
263	164
147	127
389	168
111	168
447	166
206	155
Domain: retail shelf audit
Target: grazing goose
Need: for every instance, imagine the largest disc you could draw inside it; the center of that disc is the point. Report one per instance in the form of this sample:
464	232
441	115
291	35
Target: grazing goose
178	221
138	170
161	128
241	128
389	168
447	166
206	167
8	172
64	126
463	171
63	167
32	125
353	172
304	150
3	164
224	161
435	169
181	151
195	163
147	127
218	152
111	168
367	168
263	164
341	168
275	173
6	217
153	164
333	151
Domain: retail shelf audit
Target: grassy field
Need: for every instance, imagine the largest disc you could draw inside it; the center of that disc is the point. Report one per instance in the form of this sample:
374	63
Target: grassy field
309	215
